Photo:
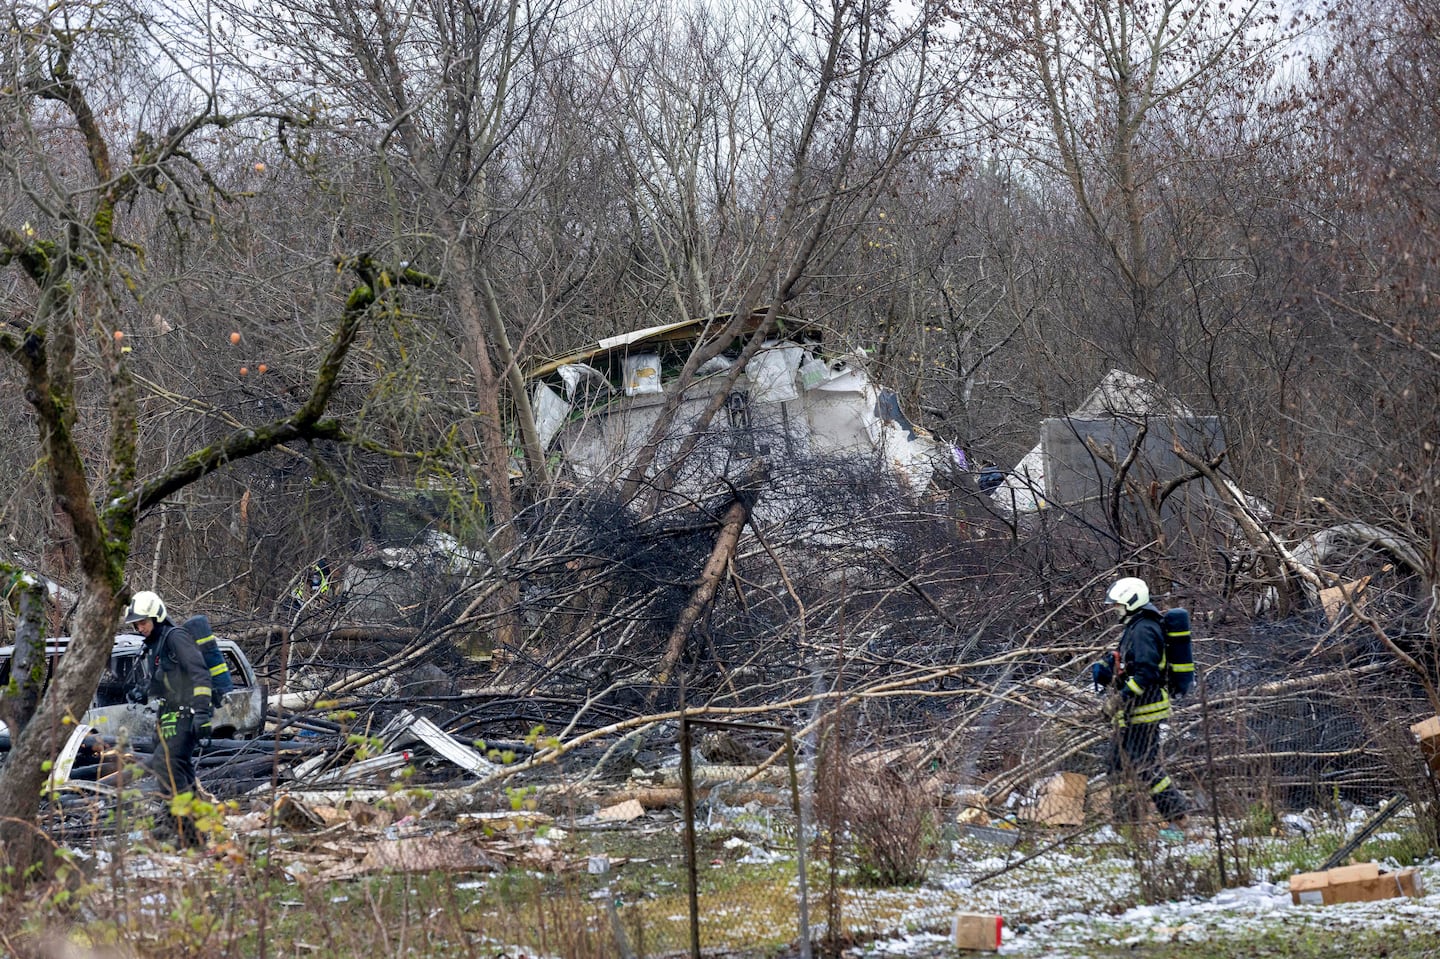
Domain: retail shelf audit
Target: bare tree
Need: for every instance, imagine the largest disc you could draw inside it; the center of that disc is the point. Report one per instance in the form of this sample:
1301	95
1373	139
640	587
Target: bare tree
754	151
78	176
1090	92
436	96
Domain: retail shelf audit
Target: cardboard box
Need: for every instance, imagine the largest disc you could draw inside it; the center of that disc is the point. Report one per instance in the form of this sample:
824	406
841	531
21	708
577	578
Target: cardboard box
978	931
1307	888
1060	801
1387	885
1428	733
1362	882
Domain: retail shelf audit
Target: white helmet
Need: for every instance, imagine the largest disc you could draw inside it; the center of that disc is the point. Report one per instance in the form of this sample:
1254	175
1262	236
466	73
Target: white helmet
1129	594
145	605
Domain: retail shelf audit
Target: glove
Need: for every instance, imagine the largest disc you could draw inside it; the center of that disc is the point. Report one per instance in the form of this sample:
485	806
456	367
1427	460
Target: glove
1113	704
1101	674
136	694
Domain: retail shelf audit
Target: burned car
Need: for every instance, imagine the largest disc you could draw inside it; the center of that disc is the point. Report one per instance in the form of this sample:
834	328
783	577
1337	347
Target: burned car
240	716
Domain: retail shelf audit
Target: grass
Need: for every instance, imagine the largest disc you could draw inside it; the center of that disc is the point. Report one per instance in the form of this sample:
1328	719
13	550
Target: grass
1403	848
1340	942
240	907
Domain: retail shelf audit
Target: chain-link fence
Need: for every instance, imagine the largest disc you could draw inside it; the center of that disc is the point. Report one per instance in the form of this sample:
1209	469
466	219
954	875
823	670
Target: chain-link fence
724	914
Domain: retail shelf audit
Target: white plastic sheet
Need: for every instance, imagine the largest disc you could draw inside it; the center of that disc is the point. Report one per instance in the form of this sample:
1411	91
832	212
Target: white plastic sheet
575	374
813	372
716	364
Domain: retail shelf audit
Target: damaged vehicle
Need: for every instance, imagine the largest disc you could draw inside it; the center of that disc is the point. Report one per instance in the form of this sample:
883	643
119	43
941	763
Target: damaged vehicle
240	716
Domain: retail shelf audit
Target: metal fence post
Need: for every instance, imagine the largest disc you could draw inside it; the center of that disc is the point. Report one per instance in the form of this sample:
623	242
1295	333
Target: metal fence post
687	788
1213	785
799	846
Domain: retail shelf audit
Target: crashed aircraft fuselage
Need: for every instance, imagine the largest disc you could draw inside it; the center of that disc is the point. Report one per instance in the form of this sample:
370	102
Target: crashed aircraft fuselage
788	402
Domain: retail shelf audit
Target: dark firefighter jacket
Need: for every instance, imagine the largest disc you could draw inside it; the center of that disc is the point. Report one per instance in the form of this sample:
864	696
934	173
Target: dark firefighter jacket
178	675
1141	682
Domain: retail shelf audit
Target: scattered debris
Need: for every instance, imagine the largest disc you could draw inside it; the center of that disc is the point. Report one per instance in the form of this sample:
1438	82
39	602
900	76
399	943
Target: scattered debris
290	813
1363	882
626	811
506	821
977	932
408	728
1059	801
427	854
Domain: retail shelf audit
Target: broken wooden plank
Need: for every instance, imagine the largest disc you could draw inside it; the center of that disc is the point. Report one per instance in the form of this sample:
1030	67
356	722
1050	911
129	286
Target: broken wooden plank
709	775
651	797
447	853
627	811
1362	882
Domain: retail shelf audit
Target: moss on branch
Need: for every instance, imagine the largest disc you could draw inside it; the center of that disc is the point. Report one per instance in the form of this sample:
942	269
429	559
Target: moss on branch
305	423
36	257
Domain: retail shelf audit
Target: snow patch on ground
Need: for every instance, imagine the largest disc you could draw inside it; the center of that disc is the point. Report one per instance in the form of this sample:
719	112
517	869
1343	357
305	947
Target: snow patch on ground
1060	906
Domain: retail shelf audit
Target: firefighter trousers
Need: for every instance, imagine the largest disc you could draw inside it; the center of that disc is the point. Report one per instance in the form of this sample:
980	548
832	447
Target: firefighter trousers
173	762
1137	774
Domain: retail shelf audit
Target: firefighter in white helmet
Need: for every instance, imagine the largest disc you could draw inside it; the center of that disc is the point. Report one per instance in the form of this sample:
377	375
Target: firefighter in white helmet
174	671
1138	703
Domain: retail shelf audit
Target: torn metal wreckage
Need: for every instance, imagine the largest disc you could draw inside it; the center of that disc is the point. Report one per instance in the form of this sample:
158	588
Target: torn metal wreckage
596	409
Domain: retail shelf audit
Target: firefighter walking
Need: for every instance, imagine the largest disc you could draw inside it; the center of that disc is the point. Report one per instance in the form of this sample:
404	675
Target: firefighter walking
1138	702
174	671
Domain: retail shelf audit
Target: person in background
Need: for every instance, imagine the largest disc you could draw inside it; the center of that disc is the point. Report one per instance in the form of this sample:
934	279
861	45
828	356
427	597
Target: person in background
316	586
174	670
1137	705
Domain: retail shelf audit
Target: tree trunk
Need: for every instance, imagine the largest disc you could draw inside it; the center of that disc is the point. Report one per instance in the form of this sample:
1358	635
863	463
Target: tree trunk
27	663
37	743
710	578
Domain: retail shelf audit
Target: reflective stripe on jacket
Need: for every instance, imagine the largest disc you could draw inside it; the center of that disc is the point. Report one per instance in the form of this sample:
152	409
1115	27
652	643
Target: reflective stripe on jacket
1142	660
316	584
